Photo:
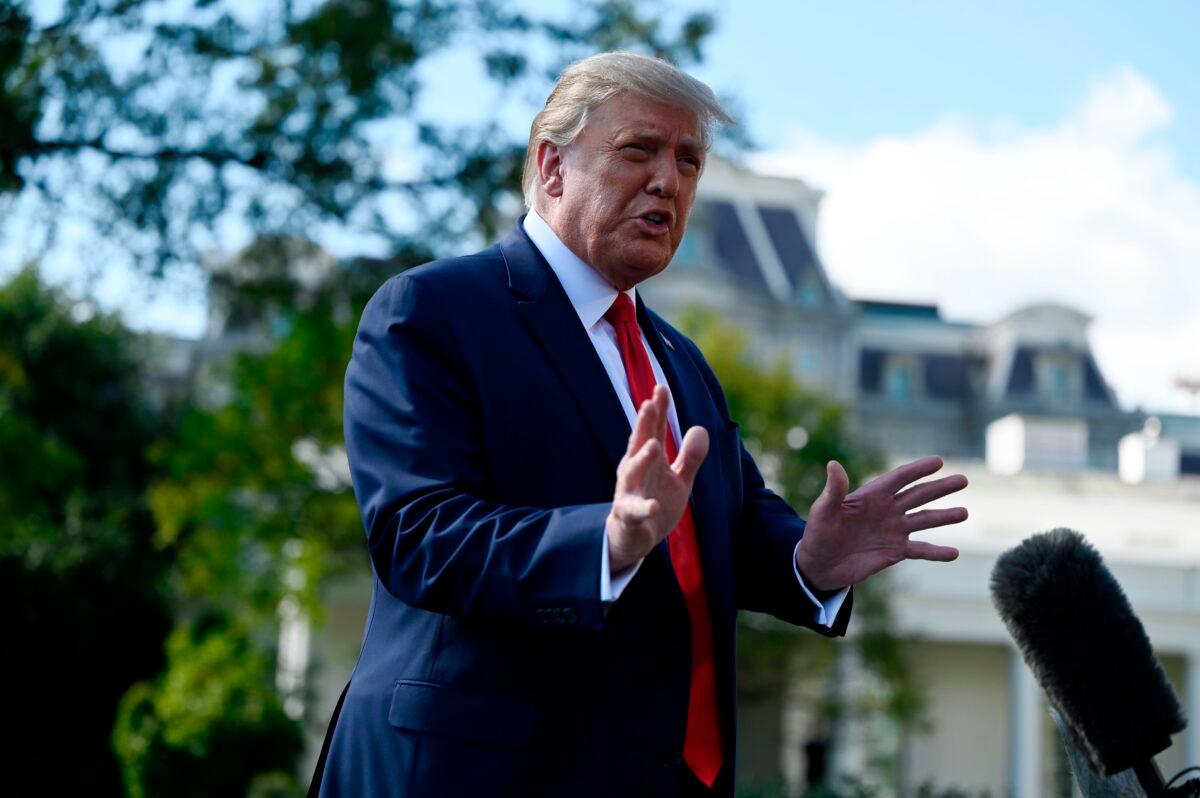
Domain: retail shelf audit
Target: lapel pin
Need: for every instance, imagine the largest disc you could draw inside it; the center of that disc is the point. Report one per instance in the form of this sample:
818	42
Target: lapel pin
667	341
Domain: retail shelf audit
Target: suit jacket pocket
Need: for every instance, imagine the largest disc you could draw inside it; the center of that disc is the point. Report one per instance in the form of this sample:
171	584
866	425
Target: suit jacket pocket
465	714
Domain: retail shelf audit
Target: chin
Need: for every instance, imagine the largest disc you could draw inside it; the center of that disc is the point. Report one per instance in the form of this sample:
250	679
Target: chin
648	261
634	273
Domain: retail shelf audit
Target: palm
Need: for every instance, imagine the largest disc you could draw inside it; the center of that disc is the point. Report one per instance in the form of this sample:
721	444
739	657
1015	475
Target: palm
651	492
853	535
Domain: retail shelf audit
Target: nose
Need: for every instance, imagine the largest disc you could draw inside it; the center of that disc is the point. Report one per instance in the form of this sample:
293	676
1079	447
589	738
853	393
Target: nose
664	177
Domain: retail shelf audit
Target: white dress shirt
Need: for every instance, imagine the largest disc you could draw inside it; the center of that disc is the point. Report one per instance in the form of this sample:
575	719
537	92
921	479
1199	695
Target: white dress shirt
592	296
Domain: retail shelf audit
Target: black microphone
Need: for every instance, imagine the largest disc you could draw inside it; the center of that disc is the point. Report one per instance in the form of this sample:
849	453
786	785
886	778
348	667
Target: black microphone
1076	631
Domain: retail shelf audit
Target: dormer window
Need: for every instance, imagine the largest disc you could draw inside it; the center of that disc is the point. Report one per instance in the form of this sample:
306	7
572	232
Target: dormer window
1060	387
900	379
1059	378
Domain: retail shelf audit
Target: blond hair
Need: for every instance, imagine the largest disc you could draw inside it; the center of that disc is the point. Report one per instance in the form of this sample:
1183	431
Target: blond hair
585	84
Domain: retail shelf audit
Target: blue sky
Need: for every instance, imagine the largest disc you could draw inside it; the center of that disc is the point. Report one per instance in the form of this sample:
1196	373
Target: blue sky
851	71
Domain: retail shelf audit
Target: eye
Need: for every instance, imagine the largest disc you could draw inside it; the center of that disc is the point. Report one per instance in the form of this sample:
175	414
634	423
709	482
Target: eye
635	151
690	162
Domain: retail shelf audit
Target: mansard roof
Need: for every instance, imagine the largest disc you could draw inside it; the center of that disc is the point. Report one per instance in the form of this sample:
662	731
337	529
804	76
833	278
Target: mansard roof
759	231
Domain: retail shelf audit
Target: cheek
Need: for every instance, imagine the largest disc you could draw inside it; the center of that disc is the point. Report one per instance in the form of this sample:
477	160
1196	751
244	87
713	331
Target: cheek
681	227
605	209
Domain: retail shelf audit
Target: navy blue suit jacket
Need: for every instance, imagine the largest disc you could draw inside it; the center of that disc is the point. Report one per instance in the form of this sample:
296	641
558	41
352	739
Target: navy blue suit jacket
483	436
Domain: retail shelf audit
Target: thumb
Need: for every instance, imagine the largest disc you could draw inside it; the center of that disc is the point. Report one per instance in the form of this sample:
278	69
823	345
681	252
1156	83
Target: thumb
837	484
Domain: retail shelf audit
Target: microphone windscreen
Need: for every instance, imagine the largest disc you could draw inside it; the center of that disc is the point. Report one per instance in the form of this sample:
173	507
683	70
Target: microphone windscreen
1075	628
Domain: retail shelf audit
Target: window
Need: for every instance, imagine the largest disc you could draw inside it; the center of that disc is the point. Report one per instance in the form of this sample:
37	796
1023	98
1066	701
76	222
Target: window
899	382
1060	384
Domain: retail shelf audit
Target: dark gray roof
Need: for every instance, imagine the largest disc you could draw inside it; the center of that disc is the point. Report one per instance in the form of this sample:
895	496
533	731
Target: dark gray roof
943	376
870	369
1094	386
947	376
732	246
1020	377
908	310
790	242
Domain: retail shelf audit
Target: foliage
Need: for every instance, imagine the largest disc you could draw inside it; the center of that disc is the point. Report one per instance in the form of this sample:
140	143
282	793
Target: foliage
929	790
852	788
775	787
211	723
159	124
83	587
254	504
253	499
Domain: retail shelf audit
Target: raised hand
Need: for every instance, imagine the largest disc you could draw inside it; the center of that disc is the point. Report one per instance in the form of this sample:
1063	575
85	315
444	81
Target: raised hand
651	493
851	536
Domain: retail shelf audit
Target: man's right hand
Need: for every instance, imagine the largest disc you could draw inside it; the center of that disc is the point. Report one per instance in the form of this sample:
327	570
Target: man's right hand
651	493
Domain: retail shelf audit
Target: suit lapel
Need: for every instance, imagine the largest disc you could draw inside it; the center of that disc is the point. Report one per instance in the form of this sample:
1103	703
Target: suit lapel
547	311
708	493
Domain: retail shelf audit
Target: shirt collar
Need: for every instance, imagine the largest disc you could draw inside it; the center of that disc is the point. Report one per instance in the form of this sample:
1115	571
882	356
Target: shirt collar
590	294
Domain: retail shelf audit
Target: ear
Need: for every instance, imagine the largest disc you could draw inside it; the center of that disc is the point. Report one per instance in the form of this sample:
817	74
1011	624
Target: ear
550	164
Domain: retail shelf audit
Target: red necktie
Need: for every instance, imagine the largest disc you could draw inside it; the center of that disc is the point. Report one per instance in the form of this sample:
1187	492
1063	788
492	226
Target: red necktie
702	741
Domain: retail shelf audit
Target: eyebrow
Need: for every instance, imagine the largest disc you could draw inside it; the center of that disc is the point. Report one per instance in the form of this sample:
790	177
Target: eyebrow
641	134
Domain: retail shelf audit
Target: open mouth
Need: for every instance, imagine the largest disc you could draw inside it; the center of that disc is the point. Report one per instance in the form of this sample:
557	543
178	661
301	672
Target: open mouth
655	222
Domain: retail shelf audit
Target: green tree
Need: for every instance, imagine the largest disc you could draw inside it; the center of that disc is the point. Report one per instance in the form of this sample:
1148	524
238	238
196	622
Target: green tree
258	513
212	723
156	124
84	590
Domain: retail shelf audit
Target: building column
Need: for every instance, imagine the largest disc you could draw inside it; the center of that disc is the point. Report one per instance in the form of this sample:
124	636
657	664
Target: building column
1191	707
849	755
1025	730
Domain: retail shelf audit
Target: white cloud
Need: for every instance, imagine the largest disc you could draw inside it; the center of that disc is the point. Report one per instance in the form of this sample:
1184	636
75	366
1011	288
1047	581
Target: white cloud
1091	212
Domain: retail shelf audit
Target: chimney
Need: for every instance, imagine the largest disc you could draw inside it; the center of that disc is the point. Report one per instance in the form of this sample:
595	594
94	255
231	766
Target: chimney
1146	456
1017	443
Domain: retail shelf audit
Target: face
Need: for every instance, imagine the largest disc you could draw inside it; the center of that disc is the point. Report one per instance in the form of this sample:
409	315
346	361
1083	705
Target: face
620	194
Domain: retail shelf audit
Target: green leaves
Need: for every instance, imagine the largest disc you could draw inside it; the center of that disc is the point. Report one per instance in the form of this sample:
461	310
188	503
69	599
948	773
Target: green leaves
79	578
74	425
211	722
282	117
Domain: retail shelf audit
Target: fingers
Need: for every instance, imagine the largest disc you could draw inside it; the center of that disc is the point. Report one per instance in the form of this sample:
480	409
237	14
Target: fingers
837	484
928	519
631	474
920	550
897	478
663	397
691	454
650	421
632	509
927	492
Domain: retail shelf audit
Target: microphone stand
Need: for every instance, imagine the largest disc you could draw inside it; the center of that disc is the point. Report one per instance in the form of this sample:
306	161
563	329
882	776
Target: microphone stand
1151	779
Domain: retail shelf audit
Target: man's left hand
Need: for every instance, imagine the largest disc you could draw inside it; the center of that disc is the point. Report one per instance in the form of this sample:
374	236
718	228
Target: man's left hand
850	536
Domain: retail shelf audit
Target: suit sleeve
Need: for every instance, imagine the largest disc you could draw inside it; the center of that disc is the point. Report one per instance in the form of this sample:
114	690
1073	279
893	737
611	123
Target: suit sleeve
765	537
413	439
764	555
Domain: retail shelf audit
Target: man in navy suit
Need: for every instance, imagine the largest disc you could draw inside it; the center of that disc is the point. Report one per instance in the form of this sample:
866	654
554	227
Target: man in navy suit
558	563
